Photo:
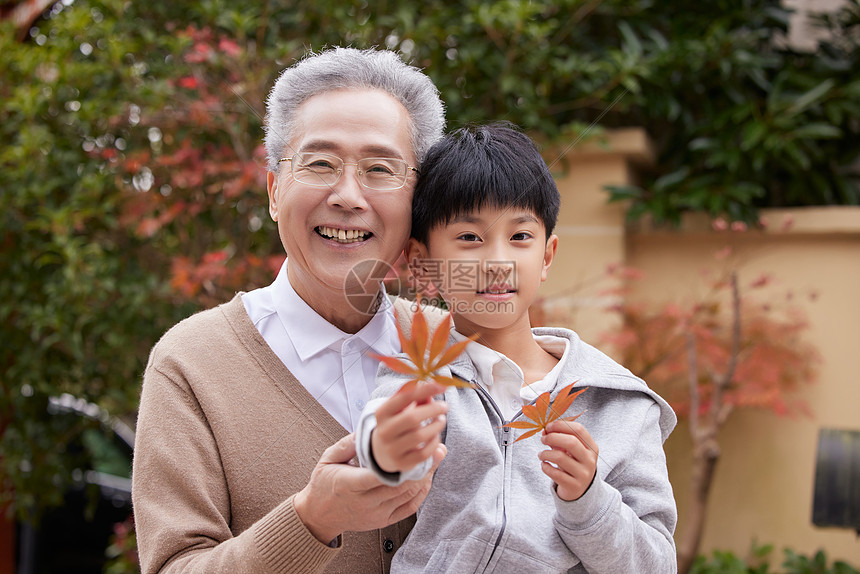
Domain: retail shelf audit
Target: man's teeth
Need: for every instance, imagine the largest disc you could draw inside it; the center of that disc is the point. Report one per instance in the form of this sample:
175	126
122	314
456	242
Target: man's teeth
343	235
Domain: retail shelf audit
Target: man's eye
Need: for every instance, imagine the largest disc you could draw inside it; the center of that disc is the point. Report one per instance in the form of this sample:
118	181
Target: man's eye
319	164
380	169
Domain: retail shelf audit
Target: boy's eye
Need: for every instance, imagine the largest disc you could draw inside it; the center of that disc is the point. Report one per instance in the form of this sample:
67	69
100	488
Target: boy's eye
521	236
468	237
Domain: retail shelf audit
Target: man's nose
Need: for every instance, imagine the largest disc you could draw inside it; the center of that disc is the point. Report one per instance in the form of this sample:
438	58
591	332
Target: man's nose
347	192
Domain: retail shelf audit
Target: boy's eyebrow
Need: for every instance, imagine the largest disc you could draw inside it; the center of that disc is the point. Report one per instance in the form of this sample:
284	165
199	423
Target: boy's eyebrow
526	218
471	218
465	218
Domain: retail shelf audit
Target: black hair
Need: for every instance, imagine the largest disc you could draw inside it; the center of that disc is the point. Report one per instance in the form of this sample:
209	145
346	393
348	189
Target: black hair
493	165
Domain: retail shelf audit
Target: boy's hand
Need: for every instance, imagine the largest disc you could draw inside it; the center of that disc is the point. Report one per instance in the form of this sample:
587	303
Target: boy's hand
407	427
574	454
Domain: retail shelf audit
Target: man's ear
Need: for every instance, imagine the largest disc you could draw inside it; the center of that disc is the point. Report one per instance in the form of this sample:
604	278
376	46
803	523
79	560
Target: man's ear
549	255
272	188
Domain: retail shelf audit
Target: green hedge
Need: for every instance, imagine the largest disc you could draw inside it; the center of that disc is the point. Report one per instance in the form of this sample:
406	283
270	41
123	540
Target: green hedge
759	563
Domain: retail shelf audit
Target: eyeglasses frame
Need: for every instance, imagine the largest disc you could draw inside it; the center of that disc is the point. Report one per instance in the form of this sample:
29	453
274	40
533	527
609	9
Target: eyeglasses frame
341	171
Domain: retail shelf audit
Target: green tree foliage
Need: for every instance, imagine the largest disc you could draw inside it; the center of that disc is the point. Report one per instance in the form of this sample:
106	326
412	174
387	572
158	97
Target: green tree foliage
745	122
759	563
740	120
78	306
132	183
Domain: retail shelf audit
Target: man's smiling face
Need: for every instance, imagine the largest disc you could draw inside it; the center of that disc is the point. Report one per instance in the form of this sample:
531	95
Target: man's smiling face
327	231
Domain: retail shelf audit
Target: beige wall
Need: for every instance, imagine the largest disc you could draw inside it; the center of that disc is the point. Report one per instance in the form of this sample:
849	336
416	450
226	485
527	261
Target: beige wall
764	481
591	232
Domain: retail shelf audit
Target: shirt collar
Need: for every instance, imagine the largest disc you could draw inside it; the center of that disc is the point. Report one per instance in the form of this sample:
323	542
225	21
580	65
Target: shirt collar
311	334
486	360
558	347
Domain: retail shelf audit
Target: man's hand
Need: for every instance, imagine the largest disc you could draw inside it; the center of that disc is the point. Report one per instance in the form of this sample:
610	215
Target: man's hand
573	455
407	427
341	497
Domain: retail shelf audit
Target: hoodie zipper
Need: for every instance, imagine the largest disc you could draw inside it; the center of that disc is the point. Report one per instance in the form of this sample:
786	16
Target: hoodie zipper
504	444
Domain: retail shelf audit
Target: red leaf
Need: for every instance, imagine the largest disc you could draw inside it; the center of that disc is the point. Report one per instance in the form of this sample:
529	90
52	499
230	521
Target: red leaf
451	381
420	336
521	425
563	401
424	368
544	412
534	413
528	434
395	364
453	352
440	338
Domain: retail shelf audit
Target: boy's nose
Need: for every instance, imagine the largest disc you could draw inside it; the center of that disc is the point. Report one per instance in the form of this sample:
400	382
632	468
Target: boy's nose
491	265
498	271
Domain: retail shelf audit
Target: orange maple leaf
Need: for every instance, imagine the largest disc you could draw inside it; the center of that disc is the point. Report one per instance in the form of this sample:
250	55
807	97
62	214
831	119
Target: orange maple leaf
427	353
543	412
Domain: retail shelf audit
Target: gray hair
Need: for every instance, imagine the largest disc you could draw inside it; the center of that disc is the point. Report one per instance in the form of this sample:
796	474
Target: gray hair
345	68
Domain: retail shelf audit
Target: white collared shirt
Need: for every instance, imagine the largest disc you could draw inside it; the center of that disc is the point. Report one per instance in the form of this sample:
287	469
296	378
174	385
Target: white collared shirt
335	367
503	379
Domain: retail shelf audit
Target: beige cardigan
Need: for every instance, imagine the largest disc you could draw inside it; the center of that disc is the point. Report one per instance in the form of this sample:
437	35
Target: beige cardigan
225	437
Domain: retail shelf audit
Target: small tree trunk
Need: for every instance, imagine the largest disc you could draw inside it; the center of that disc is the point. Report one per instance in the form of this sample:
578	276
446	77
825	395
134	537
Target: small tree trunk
704	465
703	431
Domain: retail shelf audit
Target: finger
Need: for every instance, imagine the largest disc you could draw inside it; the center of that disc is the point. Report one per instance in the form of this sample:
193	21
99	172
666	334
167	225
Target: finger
409	443
561	460
438	455
405	499
419	455
558	476
340	452
420	445
570	444
567	487
426	390
410	419
349	480
427	411
573	428
403	398
410	499
409	507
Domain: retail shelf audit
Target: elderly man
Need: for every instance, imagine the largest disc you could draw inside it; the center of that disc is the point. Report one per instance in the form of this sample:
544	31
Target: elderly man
242	454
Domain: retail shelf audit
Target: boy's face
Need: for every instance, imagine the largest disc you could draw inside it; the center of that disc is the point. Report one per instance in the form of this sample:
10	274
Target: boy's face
487	265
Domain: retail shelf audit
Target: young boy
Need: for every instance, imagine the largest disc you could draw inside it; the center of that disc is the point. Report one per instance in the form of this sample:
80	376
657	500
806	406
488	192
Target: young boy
586	496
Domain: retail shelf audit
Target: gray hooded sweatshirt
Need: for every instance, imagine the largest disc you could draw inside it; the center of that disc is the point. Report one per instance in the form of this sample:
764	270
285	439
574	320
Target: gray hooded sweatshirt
492	509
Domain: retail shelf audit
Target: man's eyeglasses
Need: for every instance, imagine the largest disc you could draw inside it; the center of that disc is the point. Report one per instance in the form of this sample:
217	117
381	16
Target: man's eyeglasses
322	170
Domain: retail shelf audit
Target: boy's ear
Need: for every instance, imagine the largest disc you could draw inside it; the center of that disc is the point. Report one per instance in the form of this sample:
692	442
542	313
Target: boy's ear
549	255
272	188
416	252
416	255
